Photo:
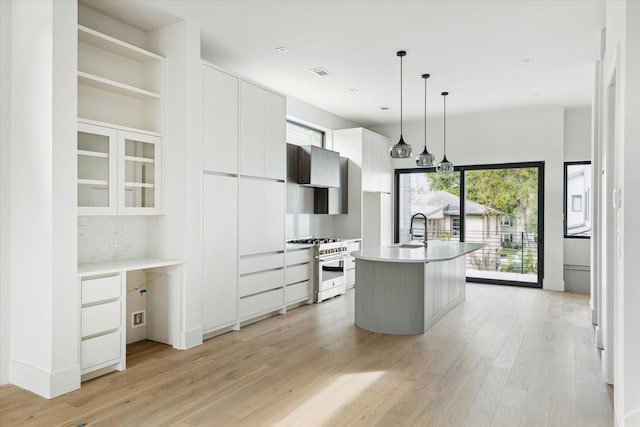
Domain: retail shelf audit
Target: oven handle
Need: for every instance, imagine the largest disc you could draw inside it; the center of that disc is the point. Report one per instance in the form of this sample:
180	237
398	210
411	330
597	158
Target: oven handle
332	258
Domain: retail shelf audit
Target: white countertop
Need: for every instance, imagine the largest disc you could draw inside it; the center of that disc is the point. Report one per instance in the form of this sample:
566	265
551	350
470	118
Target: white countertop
116	266
435	251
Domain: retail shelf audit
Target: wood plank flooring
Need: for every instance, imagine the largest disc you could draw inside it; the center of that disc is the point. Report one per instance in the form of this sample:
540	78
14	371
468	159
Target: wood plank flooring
505	357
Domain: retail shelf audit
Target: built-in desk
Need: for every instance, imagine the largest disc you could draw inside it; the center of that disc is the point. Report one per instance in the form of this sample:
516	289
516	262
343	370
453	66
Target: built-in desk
103	307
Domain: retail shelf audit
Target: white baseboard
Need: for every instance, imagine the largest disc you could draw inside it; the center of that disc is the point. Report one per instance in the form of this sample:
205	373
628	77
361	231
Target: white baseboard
191	338
594	316
553	285
599	338
46	384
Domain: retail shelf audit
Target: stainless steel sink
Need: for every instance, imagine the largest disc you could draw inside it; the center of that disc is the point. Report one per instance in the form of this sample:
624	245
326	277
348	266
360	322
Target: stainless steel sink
411	245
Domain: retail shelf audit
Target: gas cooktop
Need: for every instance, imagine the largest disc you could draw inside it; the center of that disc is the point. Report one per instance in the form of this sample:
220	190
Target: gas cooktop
315	240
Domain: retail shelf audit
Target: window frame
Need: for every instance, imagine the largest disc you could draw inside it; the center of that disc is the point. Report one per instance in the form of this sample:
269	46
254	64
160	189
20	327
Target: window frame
583	200
323	134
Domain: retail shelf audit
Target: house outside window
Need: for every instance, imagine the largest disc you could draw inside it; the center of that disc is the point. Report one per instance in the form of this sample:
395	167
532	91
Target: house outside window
455	226
577	192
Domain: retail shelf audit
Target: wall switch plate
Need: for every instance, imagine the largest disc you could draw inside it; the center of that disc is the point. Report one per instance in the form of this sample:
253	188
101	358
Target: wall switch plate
138	318
114	241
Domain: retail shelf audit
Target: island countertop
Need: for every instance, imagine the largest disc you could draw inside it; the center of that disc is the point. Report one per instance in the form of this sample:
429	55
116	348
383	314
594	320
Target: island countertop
435	251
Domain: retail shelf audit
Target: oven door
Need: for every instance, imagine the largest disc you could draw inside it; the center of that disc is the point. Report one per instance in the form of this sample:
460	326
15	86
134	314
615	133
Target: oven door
331	277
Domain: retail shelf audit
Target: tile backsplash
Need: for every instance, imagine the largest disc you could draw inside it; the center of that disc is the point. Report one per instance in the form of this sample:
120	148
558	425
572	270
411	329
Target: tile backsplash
95	235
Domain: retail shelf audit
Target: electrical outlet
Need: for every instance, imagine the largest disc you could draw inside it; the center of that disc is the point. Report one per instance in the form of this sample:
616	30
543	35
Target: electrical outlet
114	241
138	318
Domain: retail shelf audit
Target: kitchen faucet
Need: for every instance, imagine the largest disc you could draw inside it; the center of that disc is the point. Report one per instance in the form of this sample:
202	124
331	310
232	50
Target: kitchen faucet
425	227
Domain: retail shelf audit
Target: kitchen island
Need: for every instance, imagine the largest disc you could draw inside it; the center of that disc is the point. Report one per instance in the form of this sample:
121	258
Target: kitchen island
405	289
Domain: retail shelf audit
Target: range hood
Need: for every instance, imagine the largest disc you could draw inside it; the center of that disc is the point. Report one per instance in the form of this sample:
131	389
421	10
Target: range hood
318	167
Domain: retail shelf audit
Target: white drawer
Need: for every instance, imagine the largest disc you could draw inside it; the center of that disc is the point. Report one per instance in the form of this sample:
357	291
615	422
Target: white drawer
299	273
101	289
101	349
261	263
299	291
299	256
261	303
100	318
261	282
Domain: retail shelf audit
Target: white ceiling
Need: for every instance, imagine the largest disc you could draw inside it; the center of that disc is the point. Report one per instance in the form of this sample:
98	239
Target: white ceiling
471	48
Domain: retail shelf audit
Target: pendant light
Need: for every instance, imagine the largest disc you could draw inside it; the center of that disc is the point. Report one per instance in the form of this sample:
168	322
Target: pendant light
445	165
425	158
401	150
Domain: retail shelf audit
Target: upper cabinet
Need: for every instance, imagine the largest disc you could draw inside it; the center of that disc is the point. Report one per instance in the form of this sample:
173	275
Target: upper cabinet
262	133
370	152
220	124
118	171
118	83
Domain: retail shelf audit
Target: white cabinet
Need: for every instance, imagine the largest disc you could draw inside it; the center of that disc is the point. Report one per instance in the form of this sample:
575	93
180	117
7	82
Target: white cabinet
350	264
376	163
299	275
262	132
261	285
261	217
377	226
102	323
119	171
220	227
220	121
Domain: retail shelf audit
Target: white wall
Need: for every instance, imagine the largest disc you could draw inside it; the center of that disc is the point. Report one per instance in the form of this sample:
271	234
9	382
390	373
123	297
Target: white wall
301	225
512	135
5	188
622	54
43	266
577	147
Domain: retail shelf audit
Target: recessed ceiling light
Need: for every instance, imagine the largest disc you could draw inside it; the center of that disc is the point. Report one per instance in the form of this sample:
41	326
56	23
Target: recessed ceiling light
321	72
385	108
282	49
538	94
526	61
354	90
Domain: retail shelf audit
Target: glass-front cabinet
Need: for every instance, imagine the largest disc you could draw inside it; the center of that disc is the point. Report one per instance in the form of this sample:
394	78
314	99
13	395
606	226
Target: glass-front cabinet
118	171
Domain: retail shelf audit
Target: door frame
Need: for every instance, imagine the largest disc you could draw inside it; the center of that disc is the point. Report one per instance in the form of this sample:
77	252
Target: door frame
462	169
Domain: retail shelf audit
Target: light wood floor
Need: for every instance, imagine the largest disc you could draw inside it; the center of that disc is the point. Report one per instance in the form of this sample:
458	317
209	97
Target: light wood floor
506	356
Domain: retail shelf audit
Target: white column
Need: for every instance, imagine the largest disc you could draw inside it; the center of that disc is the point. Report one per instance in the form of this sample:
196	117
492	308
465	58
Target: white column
43	266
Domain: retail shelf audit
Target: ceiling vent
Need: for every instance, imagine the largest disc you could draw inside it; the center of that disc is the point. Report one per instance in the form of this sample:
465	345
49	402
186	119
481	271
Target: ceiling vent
321	72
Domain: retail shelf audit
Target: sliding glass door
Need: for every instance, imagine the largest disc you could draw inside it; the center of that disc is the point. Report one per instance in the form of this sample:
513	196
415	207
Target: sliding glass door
498	205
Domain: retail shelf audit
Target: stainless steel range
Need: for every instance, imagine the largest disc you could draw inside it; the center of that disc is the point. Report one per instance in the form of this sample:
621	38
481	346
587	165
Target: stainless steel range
329	271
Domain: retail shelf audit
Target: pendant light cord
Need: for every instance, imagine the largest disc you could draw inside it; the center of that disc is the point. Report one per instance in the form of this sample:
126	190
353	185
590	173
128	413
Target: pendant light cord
425	114
445	125
400	96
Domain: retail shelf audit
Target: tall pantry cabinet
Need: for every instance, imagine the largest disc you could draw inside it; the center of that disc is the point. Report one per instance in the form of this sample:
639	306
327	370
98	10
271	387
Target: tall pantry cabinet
244	204
370	183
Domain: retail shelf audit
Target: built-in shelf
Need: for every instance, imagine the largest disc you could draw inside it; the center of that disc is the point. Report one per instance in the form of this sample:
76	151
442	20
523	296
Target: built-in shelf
139	159
139	185
111	125
93	154
103	182
119	47
115	87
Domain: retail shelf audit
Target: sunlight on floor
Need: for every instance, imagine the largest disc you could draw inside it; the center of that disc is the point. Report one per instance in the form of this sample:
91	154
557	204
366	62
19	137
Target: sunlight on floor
319	409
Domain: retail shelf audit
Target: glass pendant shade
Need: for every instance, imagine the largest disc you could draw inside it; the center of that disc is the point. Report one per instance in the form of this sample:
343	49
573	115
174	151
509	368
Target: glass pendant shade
401	150
445	165
425	158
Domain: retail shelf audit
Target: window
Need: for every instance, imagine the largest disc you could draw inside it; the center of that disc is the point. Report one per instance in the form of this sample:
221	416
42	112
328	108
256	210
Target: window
299	134
455	226
508	220
577	192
